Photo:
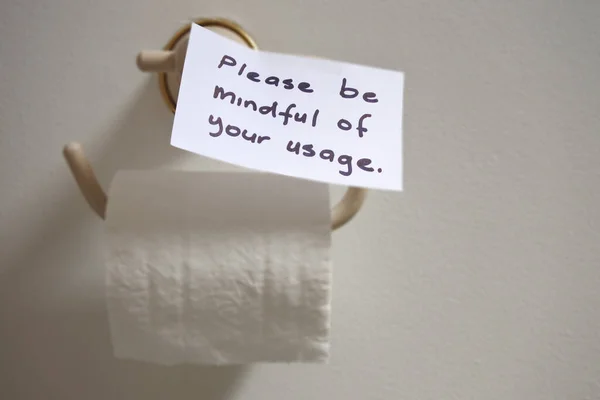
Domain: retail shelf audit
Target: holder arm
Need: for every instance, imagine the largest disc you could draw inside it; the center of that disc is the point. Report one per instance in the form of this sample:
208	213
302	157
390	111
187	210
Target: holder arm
86	179
95	196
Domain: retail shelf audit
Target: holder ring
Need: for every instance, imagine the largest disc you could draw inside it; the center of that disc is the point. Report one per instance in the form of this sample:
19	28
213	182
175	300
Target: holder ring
205	22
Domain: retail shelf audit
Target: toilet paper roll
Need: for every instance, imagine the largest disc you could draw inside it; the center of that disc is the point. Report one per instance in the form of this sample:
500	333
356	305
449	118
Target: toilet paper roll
218	267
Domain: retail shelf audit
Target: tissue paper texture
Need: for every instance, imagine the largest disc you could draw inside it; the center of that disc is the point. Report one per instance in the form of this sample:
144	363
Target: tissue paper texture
218	267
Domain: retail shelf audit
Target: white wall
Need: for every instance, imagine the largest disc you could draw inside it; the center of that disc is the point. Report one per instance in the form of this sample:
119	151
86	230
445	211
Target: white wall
480	281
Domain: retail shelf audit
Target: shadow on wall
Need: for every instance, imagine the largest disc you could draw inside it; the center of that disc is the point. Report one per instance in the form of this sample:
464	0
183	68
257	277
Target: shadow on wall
54	332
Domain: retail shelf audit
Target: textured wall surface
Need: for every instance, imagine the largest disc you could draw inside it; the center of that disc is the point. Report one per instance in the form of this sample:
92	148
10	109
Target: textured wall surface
480	281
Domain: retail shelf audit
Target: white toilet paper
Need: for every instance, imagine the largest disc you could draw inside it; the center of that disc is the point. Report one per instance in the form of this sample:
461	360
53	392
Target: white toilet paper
218	267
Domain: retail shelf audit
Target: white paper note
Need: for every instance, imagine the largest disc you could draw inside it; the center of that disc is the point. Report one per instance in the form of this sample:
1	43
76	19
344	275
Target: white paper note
310	118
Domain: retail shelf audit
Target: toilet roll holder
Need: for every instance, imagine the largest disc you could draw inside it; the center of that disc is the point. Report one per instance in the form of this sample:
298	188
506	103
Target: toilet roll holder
168	64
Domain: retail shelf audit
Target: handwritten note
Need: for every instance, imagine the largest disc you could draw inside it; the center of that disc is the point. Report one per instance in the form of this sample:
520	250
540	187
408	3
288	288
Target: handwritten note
306	117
